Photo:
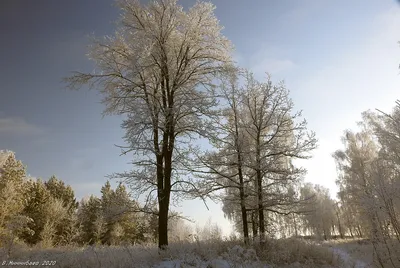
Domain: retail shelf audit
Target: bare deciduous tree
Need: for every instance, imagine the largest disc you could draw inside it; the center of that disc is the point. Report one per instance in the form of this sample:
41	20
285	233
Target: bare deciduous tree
151	71
275	137
257	139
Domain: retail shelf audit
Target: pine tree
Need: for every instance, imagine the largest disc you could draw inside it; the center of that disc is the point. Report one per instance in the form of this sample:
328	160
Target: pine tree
65	195
59	190
12	189
90	218
36	208
108	212
122	220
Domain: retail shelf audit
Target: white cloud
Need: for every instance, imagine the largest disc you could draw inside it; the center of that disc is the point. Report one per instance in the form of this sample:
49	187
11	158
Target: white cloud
18	126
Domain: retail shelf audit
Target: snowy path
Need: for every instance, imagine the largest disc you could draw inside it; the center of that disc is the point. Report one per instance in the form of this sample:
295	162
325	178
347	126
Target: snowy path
348	259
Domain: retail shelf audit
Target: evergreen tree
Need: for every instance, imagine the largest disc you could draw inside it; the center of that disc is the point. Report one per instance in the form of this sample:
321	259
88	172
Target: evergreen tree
12	192
121	216
67	206
36	208
12	185
59	190
90	218
107	208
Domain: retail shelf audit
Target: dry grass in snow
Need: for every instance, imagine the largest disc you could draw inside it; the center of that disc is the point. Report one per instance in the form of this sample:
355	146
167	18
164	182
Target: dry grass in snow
358	249
290	253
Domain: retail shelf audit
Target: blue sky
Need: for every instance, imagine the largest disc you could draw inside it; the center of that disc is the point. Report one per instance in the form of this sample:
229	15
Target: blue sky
338	58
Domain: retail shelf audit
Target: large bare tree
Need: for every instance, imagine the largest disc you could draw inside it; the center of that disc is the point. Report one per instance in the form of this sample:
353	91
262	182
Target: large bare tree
158	70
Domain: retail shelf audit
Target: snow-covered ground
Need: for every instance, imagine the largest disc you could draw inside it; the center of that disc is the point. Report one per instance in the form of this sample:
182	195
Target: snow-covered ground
355	253
235	257
348	260
279	253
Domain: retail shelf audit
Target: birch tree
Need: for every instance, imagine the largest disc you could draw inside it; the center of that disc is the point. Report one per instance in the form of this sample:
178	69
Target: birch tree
276	136
158	70
320	216
258	138
364	179
224	167
387	130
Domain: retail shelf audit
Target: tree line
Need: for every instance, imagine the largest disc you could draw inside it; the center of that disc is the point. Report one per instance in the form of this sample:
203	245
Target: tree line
369	196
47	214
367	204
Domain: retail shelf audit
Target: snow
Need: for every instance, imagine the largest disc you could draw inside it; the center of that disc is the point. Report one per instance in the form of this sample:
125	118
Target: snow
246	258
348	260
219	263
169	264
234	257
216	263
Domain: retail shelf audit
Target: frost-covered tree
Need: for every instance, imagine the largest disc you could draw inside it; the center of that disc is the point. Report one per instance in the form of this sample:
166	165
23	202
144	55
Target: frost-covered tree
59	190
387	130
157	70
319	217
209	231
224	166
50	217
36	208
276	136
64	196
256	140
123	222
179	230
12	189
90	218
368	178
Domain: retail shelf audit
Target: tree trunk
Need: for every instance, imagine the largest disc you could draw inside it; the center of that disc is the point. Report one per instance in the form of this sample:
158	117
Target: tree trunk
351	232
254	226
241	180
375	241
164	182
162	205
295	226
163	221
360	234
164	192
244	218
242	203
339	225
261	222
